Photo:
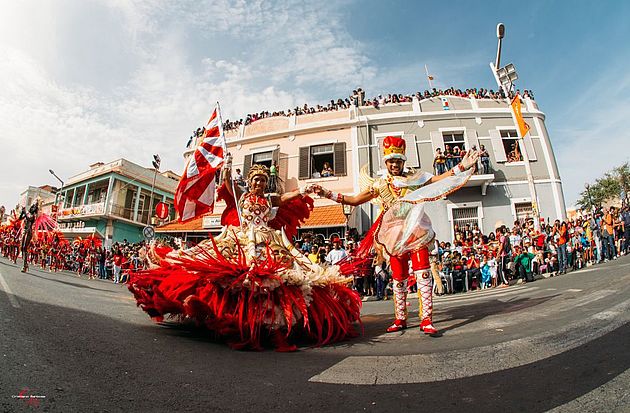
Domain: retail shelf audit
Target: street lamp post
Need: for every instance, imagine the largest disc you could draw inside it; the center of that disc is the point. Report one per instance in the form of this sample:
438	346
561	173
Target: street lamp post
505	78
156	165
60	189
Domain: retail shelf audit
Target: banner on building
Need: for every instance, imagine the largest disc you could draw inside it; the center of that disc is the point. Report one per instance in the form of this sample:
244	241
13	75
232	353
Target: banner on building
523	127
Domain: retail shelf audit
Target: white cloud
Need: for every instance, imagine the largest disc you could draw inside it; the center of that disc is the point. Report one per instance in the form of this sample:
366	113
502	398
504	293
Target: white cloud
597	139
154	77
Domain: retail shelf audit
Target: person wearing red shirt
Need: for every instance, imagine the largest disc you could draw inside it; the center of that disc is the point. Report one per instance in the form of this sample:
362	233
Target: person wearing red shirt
117	265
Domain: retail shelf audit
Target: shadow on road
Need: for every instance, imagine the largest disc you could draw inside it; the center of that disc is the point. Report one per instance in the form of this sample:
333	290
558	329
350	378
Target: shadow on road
68	283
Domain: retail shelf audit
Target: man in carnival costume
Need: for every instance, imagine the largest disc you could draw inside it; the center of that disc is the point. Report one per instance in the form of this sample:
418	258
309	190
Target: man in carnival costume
403	231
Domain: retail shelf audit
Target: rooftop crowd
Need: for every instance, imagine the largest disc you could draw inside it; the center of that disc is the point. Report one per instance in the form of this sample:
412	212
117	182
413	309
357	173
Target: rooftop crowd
357	99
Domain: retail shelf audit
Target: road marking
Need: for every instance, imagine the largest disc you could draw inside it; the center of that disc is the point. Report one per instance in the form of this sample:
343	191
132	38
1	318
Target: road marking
552	289
573	290
14	302
431	367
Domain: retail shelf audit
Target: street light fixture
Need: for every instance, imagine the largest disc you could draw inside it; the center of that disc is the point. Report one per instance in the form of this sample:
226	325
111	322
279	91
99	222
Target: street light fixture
60	189
507	76
500	35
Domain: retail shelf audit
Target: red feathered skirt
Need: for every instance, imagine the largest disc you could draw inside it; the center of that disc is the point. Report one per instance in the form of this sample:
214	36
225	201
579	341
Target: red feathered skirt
249	303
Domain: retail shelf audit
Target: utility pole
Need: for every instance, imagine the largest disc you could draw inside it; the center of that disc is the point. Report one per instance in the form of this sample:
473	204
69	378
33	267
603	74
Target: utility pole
509	76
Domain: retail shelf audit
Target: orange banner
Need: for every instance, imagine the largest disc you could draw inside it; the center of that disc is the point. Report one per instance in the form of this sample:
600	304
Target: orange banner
516	107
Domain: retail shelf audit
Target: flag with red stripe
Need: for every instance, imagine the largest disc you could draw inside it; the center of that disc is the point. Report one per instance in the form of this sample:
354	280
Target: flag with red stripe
196	189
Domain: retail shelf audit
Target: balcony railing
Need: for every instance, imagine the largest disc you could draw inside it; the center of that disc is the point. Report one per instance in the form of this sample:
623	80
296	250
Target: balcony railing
82	210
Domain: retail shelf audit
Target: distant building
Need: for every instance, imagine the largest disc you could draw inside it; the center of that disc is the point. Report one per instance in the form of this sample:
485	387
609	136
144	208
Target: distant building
350	139
112	200
45	193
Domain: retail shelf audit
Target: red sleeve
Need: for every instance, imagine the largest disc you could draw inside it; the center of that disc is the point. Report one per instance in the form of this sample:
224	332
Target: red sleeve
292	214
230	214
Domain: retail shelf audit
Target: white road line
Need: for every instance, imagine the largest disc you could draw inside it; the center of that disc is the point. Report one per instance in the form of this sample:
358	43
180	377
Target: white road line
423	368
14	302
573	290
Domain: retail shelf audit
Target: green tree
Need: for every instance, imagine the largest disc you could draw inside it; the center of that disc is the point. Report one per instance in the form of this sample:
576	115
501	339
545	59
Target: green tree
608	187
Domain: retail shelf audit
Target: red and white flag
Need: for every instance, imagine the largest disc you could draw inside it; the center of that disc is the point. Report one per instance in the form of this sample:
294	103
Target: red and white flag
196	189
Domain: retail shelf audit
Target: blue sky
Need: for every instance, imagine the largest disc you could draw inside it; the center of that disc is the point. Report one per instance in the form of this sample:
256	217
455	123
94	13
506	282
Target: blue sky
95	80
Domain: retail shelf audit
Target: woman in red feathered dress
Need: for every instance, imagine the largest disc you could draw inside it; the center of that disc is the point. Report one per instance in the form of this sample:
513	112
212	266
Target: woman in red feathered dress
250	284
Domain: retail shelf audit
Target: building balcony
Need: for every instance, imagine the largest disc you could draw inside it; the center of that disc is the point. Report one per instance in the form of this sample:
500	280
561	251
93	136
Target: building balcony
99	210
81	211
481	180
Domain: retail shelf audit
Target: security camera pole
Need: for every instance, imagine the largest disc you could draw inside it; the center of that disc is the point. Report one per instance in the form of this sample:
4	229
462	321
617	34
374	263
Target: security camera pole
506	83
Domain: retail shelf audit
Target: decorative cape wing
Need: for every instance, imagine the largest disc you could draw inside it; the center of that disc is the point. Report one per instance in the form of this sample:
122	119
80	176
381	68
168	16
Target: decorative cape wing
366	182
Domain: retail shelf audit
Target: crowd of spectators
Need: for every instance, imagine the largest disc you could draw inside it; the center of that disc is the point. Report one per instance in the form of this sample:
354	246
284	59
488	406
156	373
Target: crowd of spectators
449	158
509	255
84	257
357	99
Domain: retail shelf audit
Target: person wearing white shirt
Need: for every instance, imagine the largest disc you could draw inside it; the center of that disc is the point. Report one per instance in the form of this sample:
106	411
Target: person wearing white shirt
336	254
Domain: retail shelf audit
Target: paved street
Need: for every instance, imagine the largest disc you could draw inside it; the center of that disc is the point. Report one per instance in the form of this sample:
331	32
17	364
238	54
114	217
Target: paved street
557	344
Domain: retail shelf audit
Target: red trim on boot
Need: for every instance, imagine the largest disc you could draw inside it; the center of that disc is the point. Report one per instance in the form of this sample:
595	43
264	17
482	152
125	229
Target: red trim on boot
398	325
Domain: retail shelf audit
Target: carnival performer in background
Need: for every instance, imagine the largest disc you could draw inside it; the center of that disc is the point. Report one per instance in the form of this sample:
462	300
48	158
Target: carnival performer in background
27	232
250	284
403	231
34	221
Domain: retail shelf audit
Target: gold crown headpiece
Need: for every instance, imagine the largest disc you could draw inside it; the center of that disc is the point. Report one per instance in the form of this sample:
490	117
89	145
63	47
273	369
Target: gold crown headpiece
257	169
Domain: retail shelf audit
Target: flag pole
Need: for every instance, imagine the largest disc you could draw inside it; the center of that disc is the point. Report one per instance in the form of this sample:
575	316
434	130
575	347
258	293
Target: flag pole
426	69
238	209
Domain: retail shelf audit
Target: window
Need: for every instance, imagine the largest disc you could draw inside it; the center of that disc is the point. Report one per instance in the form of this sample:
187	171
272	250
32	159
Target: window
460	216
510	145
453	139
263	158
97	195
78	198
323	160
524	211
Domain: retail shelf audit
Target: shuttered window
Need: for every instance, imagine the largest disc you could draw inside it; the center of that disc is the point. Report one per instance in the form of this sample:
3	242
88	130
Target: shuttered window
340	159
247	163
316	161
497	146
305	163
529	147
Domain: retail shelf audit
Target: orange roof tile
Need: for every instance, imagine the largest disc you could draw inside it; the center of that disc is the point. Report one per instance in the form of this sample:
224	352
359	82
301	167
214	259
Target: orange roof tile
321	217
326	216
194	225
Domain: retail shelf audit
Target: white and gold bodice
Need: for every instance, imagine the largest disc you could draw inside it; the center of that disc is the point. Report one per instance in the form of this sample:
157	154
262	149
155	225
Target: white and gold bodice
255	211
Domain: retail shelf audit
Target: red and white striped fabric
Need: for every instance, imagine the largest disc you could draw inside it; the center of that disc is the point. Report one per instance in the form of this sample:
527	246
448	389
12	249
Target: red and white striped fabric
196	189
